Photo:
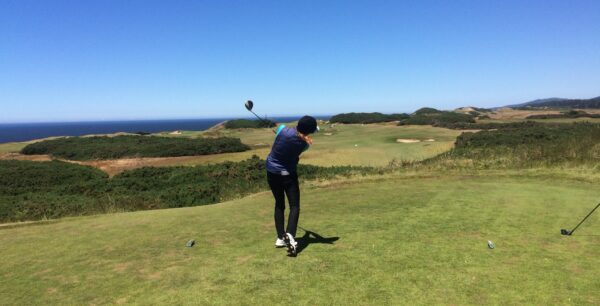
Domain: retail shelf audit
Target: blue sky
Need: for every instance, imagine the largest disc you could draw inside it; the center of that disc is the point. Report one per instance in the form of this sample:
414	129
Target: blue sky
99	60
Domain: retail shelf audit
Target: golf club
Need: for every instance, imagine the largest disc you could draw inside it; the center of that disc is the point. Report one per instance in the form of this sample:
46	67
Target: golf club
570	232
249	104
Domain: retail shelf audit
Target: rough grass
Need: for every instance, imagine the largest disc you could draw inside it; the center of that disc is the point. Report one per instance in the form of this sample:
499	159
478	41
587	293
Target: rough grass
515	114
525	146
555	120
395	241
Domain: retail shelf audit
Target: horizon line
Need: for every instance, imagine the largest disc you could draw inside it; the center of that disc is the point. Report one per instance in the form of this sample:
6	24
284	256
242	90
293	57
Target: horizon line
149	119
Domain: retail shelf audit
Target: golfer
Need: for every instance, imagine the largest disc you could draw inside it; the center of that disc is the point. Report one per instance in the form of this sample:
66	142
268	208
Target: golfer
289	143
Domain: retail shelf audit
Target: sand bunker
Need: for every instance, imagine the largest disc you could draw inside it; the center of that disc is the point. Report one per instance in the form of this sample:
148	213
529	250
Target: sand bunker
410	140
407	140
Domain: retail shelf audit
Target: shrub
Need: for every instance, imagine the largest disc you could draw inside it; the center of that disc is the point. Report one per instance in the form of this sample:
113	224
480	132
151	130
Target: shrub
528	145
566	114
249	124
37	190
366	118
488	125
91	148
437	118
427	111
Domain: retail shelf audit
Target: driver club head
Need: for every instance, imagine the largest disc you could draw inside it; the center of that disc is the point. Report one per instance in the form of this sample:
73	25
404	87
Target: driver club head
249	104
565	232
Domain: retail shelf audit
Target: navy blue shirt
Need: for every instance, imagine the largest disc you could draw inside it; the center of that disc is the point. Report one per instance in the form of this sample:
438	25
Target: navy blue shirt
286	151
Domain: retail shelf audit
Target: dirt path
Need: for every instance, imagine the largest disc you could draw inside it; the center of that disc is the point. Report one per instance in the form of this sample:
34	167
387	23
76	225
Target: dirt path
114	166
17	156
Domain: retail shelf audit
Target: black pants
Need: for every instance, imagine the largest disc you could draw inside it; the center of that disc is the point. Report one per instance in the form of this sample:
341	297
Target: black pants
282	185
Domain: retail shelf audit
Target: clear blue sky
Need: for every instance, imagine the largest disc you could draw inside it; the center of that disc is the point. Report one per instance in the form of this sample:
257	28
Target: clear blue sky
97	60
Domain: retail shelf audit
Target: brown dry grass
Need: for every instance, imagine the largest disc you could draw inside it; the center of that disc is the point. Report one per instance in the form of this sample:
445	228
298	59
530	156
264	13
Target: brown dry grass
515	114
17	156
115	166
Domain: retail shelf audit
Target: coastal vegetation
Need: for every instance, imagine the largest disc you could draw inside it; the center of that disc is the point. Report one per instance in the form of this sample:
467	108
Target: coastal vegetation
525	145
249	124
48	190
366	118
492	125
564	114
434	117
105	147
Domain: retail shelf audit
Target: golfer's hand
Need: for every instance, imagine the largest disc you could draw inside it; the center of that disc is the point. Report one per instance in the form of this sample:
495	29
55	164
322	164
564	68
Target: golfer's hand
306	138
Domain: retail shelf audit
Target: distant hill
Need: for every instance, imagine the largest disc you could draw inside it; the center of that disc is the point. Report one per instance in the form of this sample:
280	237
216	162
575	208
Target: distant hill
560	102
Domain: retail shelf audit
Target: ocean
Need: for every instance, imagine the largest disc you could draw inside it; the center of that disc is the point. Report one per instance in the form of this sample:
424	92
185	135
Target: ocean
16	132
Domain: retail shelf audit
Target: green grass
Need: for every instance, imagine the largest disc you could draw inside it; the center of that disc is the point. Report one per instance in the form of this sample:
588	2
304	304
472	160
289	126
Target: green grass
376	145
16	147
402	240
12	147
348	144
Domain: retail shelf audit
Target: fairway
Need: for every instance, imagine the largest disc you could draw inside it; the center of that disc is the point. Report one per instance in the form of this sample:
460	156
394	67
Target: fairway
12	147
344	144
397	240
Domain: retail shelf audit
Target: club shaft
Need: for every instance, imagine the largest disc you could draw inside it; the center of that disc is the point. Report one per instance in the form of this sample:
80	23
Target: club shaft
588	215
259	118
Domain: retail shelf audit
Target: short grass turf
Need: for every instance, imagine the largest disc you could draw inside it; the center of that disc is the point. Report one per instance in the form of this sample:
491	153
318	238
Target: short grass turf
12	147
345	144
382	242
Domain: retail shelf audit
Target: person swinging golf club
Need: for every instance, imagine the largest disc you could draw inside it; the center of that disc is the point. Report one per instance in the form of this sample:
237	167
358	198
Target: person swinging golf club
282	177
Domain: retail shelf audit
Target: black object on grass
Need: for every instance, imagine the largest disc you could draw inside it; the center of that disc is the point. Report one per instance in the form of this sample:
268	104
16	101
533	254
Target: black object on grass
570	232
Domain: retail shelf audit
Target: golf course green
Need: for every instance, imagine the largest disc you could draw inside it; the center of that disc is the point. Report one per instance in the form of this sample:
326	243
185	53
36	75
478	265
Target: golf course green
419	239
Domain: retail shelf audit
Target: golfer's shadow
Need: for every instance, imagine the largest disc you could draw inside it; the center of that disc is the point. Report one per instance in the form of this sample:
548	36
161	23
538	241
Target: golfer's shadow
312	237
